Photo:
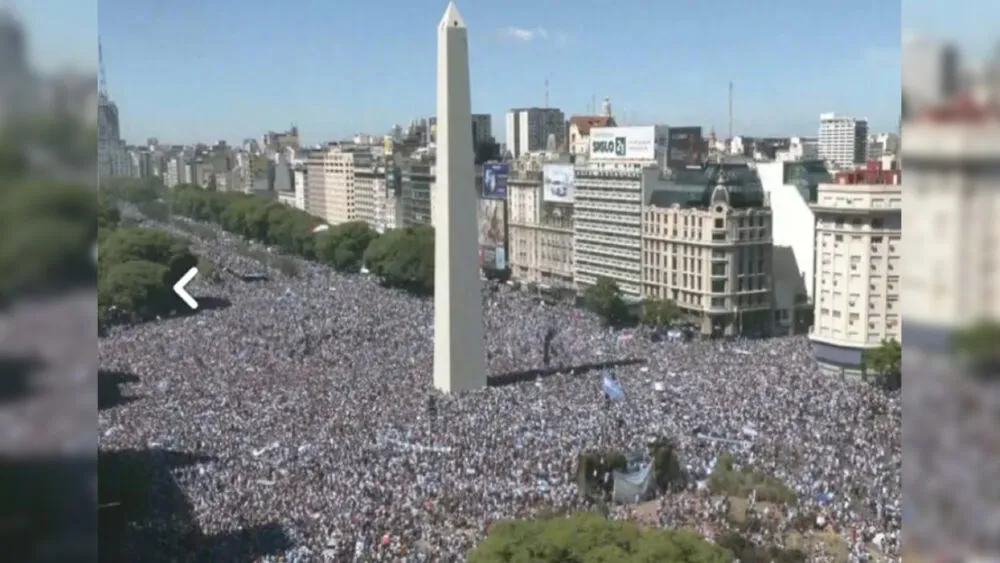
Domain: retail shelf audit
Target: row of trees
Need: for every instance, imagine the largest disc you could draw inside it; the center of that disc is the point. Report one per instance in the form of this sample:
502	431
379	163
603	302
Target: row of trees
605	299
402	258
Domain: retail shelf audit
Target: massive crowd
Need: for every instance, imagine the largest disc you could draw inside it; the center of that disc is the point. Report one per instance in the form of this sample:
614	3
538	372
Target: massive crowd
310	394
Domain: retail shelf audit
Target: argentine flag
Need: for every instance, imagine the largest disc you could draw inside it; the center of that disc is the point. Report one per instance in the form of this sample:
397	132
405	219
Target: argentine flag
612	389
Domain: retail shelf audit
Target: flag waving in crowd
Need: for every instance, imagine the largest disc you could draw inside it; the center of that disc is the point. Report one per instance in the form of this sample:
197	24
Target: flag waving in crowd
612	388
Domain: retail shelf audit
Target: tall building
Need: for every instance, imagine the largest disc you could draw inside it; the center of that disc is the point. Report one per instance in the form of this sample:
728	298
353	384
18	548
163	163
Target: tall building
858	267
607	197
541	232
931	72
418	176
843	141
482	128
952	202
792	188
706	246
882	144
112	157
331	192
528	129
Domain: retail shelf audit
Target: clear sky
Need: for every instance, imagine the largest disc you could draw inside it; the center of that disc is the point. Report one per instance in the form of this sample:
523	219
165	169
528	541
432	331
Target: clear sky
204	70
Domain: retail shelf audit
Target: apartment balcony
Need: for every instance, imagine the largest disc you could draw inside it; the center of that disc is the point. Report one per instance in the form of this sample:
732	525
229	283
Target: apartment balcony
603	261
612	218
635	209
583	194
609	228
622	242
601	271
612	251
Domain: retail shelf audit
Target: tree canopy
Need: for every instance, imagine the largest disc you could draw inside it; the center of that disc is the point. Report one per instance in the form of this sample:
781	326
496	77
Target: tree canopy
659	312
404	258
605	299
884	363
727	480
591	538
343	246
979	344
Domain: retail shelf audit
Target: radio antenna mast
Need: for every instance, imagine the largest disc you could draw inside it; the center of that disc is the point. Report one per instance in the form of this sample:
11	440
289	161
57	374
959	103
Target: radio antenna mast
546	93
102	81
730	109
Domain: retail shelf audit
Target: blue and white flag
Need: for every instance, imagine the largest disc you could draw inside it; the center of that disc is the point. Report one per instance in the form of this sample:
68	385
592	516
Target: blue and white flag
612	389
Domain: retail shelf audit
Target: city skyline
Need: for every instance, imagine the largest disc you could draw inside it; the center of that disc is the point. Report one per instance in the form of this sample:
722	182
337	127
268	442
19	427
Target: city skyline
259	75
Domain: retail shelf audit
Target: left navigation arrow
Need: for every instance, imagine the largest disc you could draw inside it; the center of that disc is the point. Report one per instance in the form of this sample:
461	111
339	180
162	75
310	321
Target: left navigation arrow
182	283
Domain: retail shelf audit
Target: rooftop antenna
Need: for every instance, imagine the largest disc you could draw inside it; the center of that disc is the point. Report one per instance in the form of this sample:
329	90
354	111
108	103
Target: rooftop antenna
730	109
102	81
546	93
593	104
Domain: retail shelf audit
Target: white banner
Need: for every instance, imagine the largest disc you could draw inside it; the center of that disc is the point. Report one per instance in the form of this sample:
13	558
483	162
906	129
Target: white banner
558	183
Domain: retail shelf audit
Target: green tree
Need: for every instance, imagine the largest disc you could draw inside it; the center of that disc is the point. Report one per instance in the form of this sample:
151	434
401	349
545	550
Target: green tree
344	245
158	247
48	231
979	345
605	299
108	216
747	552
404	258
659	312
591	538
884	362
727	480
136	289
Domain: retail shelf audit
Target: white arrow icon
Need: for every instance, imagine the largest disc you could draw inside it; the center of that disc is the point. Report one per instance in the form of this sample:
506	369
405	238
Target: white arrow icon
181	292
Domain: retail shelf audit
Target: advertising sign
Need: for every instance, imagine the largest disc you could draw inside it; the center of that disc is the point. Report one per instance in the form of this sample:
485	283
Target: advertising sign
558	183
623	143
495	180
492	234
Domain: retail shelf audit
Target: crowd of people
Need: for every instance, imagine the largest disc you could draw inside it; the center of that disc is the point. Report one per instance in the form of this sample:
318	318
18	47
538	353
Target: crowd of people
310	396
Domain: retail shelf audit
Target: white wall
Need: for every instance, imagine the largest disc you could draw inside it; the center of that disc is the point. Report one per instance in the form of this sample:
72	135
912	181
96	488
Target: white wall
793	228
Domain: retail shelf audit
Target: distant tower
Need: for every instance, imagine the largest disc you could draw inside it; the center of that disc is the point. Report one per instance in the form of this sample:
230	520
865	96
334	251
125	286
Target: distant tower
102	81
730	109
606	107
546	93
459	355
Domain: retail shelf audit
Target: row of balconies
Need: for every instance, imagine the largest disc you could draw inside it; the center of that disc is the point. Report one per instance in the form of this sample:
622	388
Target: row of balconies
625	242
607	206
608	251
612	218
608	228
597	260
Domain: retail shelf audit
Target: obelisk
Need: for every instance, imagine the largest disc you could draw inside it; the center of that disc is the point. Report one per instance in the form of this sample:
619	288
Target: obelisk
459	358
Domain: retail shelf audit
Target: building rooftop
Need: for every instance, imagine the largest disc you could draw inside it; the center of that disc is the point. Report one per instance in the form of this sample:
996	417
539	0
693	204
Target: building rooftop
584	123
694	186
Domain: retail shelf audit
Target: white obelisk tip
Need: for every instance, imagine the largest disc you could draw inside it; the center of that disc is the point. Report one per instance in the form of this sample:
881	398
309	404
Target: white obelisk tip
451	17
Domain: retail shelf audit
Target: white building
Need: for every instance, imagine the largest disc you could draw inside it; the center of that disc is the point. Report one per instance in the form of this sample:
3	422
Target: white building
952	203
579	131
858	269
843	141
799	148
792	189
331	192
528	129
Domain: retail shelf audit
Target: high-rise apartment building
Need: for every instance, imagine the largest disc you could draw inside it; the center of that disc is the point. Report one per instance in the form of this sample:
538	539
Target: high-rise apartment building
623	164
418	175
332	190
858	267
528	129
843	141
882	144
706	246
540	232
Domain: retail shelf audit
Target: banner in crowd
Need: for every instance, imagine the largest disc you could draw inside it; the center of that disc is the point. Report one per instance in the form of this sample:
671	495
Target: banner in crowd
633	486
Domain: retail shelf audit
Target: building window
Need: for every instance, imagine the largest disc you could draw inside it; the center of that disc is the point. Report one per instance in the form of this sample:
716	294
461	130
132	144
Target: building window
720	223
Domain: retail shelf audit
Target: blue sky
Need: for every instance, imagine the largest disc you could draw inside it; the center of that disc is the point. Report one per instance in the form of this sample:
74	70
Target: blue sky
187	70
